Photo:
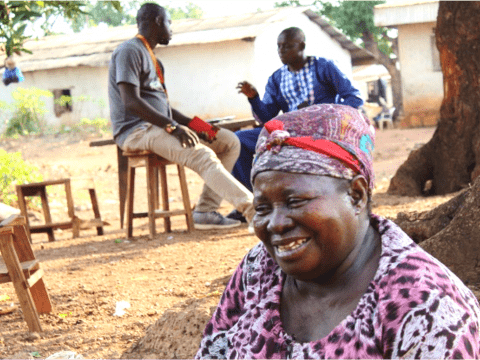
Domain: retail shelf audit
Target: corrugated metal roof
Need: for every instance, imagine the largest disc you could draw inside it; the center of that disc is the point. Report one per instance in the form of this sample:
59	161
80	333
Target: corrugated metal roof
406	12
94	47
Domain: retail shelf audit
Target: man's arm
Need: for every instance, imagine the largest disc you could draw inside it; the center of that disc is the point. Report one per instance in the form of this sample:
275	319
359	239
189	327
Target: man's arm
136	105
343	86
265	109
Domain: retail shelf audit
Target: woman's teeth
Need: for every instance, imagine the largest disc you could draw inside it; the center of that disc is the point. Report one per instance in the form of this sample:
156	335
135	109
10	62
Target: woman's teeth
291	246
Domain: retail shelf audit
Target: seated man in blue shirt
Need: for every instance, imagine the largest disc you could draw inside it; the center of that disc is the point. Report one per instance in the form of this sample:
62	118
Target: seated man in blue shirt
300	82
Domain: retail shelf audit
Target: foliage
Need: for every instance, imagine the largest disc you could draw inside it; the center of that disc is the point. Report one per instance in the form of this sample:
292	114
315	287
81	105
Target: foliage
98	126
29	109
355	19
191	11
15	171
15	16
106	12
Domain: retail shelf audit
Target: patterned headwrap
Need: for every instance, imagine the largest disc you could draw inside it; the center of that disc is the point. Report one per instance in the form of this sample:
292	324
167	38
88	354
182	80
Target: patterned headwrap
326	139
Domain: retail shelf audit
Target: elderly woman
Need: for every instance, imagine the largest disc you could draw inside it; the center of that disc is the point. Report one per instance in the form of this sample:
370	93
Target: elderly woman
330	279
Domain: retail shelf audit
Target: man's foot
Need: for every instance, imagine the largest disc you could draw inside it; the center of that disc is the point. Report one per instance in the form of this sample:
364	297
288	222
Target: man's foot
213	220
236	215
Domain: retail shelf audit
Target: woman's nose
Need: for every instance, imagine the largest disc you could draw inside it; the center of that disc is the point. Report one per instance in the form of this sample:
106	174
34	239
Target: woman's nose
279	222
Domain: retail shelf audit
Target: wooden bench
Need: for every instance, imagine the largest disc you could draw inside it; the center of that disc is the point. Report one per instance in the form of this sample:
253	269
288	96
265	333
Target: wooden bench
23	270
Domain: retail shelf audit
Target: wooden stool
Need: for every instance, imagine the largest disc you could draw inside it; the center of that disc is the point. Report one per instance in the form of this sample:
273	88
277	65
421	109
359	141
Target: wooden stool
39	189
152	162
23	270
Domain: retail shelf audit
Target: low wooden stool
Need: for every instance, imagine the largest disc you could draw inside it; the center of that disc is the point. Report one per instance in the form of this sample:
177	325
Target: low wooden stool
39	189
23	270
155	164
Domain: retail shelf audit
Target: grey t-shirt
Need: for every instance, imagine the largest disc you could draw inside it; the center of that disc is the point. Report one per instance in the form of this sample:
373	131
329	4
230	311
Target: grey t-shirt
131	63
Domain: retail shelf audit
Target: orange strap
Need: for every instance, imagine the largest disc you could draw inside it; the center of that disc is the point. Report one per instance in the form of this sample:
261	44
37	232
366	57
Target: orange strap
154	59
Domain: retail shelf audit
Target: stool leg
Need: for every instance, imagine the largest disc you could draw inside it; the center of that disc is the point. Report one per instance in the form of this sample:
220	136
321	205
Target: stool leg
151	193
71	209
96	210
46	212
186	198
130	190
165	204
23	210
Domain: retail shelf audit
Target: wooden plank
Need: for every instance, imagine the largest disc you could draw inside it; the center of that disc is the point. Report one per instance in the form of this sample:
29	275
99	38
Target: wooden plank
41	298
162	213
165	204
55	226
186	198
27	266
44	183
102	142
19	282
130	199
23	209
37	275
22	245
151	194
96	211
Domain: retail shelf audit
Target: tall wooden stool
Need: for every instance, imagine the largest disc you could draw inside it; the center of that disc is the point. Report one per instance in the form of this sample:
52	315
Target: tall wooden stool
40	189
23	270
155	164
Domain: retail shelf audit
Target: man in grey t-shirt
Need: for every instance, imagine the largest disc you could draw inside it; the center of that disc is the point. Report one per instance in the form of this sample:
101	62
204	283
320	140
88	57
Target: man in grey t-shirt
142	119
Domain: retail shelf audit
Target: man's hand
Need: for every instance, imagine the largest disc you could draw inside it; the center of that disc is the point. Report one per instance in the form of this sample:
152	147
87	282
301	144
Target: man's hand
248	89
188	138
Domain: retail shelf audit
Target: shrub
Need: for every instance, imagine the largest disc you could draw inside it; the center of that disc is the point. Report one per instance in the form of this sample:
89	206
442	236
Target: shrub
98	126
29	109
15	171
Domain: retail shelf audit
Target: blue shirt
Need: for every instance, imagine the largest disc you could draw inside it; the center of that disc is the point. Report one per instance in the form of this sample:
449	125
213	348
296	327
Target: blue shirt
320	81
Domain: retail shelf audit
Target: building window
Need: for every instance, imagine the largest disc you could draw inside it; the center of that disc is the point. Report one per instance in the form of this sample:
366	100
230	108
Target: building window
435	55
62	101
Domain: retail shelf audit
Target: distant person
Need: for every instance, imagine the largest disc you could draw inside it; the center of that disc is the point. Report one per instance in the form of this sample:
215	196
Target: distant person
142	119
301	81
12	73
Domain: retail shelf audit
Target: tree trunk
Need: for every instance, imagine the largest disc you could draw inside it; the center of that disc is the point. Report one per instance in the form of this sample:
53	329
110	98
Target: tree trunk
450	232
451	159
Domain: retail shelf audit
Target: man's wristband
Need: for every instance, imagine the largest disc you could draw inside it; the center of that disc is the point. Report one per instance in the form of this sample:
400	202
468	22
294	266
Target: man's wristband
170	128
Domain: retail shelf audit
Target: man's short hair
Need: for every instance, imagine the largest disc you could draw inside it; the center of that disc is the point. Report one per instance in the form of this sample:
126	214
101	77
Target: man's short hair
295	32
148	12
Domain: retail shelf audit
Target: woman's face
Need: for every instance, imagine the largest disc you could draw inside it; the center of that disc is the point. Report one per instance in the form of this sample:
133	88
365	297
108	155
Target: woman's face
308	223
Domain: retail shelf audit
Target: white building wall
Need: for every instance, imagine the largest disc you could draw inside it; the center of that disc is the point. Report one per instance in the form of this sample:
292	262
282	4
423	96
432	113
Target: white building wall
422	85
201	79
318	43
82	81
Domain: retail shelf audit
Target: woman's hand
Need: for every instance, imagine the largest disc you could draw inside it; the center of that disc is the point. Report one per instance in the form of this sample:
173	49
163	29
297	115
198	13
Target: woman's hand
248	89
187	137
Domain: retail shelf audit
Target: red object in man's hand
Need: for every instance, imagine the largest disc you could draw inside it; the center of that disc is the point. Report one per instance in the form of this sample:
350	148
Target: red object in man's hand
205	131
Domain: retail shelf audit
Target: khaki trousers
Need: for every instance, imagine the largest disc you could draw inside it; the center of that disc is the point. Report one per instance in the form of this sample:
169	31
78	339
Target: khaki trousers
213	162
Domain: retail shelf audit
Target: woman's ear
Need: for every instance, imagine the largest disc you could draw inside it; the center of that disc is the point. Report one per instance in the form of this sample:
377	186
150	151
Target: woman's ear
359	192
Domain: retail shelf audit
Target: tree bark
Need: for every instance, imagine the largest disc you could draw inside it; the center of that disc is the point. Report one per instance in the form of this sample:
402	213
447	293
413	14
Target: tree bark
451	159
450	232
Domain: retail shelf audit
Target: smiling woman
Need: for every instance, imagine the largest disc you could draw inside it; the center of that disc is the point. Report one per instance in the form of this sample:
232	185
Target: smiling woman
329	278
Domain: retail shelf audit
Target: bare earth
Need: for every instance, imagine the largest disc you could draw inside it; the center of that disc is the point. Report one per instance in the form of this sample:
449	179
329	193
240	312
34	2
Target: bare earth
172	282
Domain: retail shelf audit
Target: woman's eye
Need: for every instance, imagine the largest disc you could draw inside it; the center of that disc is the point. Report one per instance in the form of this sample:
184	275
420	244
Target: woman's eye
261	209
295	202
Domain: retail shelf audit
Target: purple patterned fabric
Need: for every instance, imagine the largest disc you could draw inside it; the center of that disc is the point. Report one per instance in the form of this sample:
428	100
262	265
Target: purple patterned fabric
340	124
413	308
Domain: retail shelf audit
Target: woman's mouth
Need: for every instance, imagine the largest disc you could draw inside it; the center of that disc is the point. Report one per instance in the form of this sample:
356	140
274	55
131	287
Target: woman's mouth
292	248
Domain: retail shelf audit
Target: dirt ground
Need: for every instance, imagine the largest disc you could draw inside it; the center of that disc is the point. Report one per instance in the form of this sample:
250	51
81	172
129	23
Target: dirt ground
172	282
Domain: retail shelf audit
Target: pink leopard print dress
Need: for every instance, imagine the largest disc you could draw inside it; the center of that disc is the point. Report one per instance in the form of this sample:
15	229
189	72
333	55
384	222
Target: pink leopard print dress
414	308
